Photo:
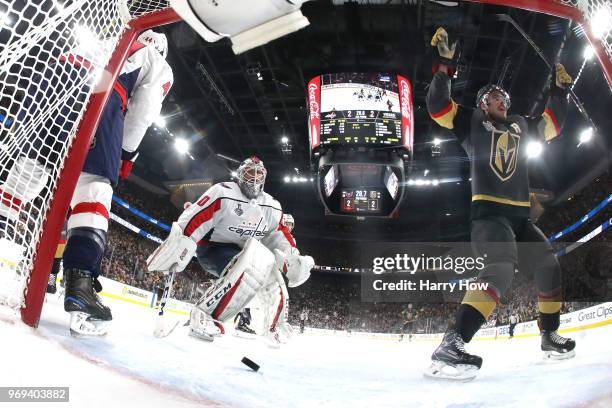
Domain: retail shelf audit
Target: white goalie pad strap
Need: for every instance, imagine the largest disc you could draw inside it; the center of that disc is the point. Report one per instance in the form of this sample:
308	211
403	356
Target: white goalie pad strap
296	267
91	202
254	22
25	181
177	250
241	280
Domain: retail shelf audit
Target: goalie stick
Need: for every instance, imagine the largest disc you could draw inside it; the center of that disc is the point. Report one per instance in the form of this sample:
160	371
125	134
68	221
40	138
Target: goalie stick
163	327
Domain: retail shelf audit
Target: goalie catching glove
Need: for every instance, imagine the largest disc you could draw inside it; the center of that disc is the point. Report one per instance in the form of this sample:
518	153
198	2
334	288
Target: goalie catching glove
294	266
177	250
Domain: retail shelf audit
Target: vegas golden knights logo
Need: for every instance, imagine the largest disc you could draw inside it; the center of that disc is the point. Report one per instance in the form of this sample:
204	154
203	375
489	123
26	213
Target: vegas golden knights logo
504	153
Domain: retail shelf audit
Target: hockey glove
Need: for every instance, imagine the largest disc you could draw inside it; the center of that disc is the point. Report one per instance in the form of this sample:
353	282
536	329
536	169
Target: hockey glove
562	79
440	40
295	267
446	54
177	250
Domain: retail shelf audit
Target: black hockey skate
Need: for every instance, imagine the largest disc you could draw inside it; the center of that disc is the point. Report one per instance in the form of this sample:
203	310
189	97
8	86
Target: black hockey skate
52	284
450	361
556	347
88	316
243	330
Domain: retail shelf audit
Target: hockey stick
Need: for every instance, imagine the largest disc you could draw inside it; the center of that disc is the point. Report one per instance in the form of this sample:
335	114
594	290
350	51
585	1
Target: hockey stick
163	327
506	18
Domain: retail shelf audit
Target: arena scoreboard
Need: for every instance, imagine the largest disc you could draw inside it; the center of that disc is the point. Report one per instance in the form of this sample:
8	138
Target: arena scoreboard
359	109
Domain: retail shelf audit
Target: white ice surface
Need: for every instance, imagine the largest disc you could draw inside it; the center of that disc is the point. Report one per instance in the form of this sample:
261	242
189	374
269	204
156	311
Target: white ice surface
131	368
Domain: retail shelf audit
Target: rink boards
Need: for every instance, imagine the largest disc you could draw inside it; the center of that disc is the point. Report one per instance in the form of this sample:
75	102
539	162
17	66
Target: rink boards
595	316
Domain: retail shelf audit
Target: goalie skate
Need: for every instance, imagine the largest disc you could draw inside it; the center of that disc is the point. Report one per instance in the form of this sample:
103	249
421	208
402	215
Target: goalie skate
204	327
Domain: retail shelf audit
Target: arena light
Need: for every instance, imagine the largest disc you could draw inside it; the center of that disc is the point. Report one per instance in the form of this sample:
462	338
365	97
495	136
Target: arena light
534	149
87	40
181	145
588	52
294	179
435	182
436	142
448	214
287	179
284	139
276	118
160	121
601	21
585	136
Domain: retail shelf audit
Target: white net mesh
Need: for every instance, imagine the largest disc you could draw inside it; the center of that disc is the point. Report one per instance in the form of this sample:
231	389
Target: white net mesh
52	53
598	14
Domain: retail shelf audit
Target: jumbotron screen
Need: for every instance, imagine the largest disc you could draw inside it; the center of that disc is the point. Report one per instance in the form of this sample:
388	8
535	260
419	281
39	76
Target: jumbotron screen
372	109
360	201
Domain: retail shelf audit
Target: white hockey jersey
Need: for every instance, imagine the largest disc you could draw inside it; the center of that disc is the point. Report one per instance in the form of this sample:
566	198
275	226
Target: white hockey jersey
224	215
149	77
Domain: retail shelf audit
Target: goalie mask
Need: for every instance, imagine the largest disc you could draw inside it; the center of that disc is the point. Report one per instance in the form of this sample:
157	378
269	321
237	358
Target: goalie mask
485	92
251	177
157	40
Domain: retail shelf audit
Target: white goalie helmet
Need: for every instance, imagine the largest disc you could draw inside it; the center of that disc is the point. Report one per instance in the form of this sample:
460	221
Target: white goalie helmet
288	221
251	176
157	40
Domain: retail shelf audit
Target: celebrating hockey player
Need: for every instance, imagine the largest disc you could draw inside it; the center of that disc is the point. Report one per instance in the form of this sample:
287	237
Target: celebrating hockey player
236	231
500	209
136	100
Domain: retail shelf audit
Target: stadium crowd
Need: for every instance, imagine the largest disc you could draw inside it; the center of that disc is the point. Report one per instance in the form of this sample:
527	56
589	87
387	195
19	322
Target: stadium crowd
333	300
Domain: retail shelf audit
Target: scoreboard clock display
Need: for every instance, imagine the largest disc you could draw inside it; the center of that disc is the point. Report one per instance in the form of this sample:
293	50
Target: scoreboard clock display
360	201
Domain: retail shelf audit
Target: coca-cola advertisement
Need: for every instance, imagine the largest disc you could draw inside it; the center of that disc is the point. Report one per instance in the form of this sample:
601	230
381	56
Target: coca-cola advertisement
314	112
405	97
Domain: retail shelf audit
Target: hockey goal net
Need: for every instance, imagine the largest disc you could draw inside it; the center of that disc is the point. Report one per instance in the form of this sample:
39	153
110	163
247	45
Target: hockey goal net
49	109
58	62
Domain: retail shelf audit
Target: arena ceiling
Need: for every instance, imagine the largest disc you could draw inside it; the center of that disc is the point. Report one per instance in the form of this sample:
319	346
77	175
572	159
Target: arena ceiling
220	104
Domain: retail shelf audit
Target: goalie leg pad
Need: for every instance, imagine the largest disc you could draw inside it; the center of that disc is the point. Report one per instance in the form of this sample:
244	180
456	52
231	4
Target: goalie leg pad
241	280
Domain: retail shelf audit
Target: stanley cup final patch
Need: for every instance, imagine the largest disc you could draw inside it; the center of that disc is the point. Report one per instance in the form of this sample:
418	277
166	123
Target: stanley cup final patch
504	153
238	210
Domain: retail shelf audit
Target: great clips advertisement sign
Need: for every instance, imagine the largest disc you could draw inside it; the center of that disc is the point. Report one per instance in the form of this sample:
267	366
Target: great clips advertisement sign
314	112
405	97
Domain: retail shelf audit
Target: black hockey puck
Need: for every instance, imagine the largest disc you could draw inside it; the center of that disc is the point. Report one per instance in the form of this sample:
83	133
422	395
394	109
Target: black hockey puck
249	363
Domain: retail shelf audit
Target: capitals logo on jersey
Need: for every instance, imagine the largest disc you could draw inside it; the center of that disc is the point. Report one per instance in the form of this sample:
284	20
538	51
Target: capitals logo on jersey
504	153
